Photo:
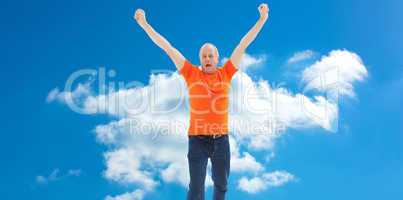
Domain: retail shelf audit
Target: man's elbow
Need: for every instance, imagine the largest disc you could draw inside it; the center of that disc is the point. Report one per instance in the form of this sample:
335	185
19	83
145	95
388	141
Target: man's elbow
239	51
241	46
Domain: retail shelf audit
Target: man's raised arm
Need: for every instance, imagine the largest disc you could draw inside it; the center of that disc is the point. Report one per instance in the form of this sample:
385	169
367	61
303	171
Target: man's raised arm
250	36
159	40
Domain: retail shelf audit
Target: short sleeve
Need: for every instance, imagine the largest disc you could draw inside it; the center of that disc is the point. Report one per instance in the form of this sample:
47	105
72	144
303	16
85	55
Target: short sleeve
187	70
229	68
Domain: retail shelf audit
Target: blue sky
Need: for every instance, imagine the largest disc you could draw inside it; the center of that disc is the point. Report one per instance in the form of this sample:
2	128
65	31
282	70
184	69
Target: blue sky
50	152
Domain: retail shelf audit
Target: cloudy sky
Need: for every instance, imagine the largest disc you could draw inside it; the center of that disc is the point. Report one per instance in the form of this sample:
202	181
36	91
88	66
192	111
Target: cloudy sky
94	110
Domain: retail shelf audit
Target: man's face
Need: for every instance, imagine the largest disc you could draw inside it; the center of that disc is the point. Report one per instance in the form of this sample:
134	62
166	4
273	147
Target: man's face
208	58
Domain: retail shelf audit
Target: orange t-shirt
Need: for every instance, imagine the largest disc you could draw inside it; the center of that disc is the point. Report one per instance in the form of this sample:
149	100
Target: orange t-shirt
208	98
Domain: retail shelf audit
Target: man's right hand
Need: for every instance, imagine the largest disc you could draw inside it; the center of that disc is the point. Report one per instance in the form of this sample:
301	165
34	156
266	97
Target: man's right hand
264	11
140	17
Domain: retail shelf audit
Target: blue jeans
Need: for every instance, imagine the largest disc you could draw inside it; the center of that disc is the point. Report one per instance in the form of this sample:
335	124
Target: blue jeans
200	149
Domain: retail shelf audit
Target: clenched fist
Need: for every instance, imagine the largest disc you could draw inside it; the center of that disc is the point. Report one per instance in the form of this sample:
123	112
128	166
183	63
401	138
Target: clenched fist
140	17
264	11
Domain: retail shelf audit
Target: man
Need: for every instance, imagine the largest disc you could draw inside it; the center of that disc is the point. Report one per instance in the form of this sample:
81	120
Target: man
208	96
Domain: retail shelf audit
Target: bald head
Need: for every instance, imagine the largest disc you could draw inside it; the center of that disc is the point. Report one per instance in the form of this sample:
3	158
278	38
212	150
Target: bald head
208	57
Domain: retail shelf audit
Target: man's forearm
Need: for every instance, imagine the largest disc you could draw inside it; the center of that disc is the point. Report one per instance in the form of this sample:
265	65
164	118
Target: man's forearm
251	35
160	41
156	37
246	41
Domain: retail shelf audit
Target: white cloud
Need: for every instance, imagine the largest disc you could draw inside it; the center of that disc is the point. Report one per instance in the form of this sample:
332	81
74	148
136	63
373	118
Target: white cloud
52	95
267	180
249	61
53	176
123	169
247	163
335	74
40	179
260	113
74	99
300	56
56	174
147	140
135	195
278	178
253	185
268	158
74	172
166	154
146	144
244	163
175	173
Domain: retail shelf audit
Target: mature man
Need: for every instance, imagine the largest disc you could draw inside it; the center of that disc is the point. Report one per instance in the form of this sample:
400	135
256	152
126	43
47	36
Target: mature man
208	88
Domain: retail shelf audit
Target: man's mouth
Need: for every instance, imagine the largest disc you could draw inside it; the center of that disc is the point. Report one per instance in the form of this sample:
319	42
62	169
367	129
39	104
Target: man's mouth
208	65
